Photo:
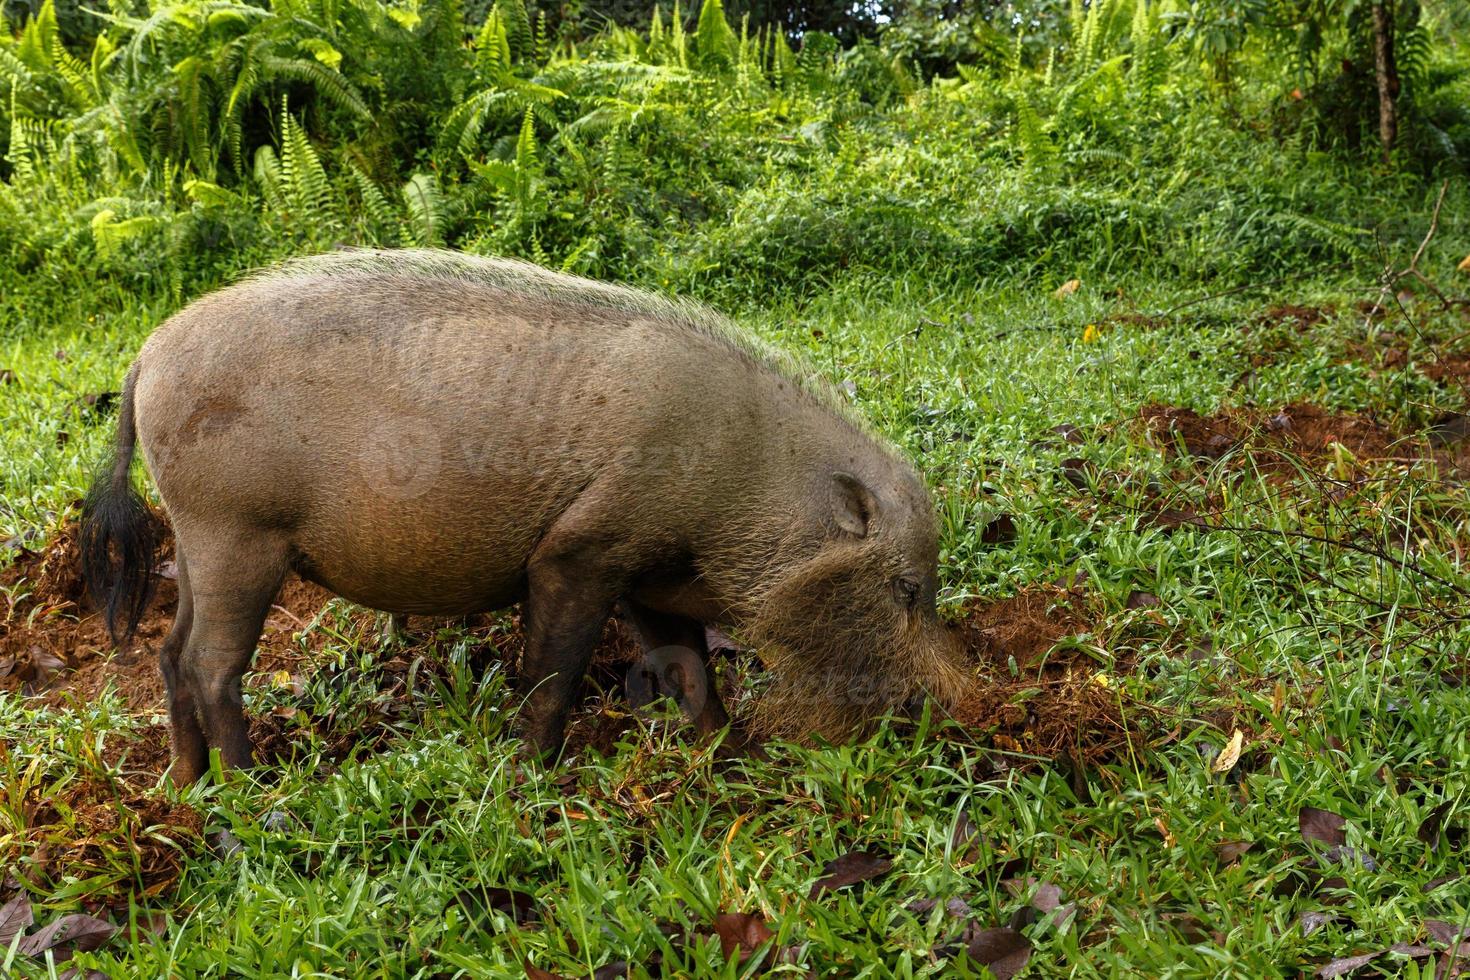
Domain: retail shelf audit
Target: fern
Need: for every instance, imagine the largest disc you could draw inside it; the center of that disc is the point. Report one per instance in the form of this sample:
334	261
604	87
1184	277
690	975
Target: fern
268	179
1038	152
108	231
425	206
466	122
329	83
381	215
714	42
512	13
303	179
1149	61
195	102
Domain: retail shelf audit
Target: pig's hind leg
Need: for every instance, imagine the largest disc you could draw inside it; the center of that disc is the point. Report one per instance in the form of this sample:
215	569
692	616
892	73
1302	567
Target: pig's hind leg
676	657
191	754
234	575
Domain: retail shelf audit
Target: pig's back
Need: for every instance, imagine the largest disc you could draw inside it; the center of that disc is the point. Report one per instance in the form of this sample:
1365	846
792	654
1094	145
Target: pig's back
410	428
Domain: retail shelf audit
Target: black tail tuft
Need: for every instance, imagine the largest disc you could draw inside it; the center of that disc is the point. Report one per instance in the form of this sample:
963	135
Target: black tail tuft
119	533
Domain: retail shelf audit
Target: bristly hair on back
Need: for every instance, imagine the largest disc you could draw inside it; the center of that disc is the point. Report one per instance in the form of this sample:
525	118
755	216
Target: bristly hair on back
378	266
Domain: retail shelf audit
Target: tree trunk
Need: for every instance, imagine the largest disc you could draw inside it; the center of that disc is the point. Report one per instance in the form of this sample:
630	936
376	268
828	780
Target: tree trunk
1387	70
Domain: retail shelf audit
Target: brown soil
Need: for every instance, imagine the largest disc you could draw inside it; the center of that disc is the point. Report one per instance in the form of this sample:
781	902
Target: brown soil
1451	370
1059	702
53	643
1388	352
1301	318
1300	430
55	649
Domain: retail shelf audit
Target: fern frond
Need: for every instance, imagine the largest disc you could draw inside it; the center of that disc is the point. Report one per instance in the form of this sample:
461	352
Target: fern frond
380	213
330	84
714	42
268	176
302	174
425	206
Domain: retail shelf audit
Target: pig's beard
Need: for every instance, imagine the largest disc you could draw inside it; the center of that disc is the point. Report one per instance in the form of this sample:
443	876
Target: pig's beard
842	656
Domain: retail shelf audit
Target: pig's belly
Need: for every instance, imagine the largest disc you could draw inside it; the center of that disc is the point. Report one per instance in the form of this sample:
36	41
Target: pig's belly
389	589
440	554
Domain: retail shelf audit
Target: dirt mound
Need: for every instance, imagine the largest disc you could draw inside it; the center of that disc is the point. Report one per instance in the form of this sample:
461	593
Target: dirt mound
1300	430
1036	699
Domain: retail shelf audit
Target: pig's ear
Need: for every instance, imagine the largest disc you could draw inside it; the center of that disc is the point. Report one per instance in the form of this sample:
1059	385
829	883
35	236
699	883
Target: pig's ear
853	506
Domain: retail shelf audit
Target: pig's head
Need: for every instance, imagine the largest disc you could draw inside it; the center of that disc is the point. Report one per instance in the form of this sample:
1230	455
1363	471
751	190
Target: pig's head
847	617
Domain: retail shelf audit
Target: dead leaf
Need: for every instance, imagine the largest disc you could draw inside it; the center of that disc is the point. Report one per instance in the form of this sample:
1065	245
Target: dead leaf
15	917
149	925
1413	951
1310	922
1230	755
849	869
1448	429
1430	825
1442	932
1464	265
1075	471
1189	927
1342	854
1322	825
517	906
1142	600
742	932
1347	964
1067	288
1069	433
1003	951
955	907
1045	897
76	933
611	971
1228	852
44	663
1002	530
964	840
7	376
536	973
101	401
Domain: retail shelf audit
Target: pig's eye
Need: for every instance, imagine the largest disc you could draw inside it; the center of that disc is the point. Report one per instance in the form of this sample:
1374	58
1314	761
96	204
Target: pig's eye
906	591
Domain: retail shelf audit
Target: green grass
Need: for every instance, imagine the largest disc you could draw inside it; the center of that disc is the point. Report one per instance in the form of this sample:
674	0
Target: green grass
383	864
908	237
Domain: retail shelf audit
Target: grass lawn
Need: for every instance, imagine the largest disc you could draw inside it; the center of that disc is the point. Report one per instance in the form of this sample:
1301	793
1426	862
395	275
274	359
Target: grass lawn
1201	629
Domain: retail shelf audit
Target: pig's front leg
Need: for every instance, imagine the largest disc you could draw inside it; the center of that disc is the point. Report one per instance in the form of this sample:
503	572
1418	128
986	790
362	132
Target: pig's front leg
571	587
